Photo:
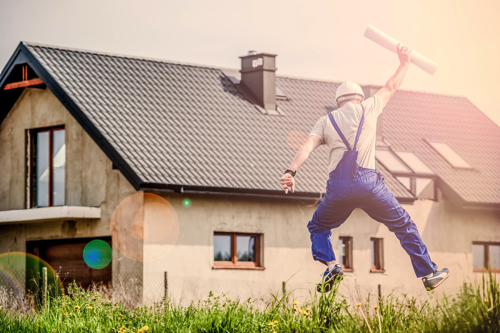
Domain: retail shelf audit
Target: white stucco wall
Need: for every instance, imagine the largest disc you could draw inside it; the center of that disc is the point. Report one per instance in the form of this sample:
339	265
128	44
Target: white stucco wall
447	231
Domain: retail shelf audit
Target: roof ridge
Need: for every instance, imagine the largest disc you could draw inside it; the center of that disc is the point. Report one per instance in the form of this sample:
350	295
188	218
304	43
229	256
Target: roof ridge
116	55
181	63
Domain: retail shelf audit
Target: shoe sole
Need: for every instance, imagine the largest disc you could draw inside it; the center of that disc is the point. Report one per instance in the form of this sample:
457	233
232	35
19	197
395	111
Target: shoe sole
438	284
329	283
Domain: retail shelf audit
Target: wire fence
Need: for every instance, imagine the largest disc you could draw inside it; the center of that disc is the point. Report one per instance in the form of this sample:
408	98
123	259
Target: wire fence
135	288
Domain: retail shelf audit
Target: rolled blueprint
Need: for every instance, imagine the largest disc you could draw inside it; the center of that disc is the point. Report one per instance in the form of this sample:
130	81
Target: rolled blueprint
391	44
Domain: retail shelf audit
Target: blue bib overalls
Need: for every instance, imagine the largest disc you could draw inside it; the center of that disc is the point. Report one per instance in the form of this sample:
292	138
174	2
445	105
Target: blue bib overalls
351	186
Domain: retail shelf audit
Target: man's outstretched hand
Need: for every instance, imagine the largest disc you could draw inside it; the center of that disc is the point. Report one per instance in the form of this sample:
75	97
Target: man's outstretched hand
404	54
287	181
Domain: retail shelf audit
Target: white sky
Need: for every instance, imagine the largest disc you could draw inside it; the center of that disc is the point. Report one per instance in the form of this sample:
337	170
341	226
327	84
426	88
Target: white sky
314	39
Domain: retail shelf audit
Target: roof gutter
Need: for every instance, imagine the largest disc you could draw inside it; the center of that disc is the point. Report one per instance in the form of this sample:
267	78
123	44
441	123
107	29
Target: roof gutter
231	191
315	196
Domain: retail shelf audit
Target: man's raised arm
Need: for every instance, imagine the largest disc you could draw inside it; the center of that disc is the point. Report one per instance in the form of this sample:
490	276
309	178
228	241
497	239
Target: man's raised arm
396	80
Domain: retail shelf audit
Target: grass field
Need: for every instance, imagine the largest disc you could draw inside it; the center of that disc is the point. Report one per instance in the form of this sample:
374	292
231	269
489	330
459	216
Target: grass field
474	309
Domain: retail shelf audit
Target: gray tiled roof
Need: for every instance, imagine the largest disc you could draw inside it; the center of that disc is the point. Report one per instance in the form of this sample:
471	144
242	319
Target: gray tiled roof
191	125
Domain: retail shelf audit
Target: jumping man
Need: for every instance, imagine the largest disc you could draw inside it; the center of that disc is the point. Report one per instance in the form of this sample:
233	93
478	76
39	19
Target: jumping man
354	182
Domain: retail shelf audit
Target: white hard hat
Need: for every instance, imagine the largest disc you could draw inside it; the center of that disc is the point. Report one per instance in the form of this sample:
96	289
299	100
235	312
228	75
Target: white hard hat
348	90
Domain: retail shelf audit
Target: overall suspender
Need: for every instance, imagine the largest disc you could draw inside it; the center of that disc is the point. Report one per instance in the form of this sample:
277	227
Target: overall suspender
342	135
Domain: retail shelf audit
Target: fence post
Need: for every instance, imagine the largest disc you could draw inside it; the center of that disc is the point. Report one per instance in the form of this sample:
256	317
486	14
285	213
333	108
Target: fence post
379	291
166	286
44	287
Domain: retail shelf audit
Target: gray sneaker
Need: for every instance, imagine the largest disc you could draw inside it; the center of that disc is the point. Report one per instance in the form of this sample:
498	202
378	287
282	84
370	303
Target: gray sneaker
436	279
329	278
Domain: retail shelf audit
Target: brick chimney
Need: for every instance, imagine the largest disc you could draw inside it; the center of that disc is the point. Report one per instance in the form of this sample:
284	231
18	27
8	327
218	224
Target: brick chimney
369	91
258	75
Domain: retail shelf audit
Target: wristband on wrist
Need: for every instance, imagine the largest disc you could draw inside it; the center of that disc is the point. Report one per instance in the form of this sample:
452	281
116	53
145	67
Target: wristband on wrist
291	172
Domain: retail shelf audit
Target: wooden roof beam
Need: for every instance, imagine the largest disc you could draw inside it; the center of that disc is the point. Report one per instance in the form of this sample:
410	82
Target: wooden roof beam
23	84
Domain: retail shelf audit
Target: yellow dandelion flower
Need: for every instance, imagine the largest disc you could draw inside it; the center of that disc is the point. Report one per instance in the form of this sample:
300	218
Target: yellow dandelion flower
308	309
94	298
276	321
271	323
145	328
376	307
77	307
324	317
89	308
358	305
295	303
306	314
120	315
295	308
156	320
486	301
140	331
122	329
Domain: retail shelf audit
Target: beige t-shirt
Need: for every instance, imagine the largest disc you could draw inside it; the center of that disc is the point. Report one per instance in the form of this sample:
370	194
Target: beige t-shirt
348	118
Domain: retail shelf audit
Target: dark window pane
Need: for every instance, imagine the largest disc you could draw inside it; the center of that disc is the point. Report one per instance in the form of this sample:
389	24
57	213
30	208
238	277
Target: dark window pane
59	151
373	252
42	169
245	248
222	248
494	252
478	255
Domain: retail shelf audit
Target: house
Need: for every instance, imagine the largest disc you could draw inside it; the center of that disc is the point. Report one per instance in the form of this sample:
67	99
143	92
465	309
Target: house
176	168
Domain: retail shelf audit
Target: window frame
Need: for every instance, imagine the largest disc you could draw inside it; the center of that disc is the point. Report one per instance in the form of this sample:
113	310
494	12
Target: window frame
32	168
411	175
234	263
349	266
486	258
430	142
379	255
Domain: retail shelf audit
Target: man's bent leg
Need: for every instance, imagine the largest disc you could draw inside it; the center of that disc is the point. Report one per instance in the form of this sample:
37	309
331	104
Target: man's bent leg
329	214
383	207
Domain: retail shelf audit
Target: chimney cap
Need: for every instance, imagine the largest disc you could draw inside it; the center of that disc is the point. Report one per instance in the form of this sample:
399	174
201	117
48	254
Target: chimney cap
258	54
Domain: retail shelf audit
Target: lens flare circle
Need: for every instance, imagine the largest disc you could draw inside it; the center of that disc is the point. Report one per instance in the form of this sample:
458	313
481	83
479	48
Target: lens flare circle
22	274
97	254
144	227
296	139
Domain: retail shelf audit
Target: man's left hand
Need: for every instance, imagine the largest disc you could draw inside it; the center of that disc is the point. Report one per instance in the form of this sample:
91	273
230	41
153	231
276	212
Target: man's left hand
287	181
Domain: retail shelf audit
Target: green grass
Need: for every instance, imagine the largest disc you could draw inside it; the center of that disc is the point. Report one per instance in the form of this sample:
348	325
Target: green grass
474	309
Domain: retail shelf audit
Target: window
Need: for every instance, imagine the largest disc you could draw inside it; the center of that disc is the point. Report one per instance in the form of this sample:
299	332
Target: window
345	253
486	256
48	159
414	162
391	161
377	255
450	155
409	169
237	250
423	188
